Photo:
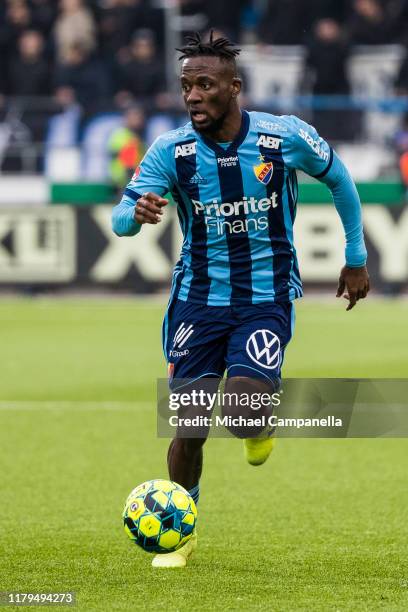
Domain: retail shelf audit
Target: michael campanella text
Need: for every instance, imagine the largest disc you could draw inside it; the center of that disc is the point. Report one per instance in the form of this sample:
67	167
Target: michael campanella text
262	421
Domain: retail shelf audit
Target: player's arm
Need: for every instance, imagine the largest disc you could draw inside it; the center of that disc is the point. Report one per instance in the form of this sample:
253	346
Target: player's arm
142	201
313	155
354	282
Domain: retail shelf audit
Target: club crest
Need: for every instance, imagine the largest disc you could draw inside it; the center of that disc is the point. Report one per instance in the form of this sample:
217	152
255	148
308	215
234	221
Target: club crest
263	172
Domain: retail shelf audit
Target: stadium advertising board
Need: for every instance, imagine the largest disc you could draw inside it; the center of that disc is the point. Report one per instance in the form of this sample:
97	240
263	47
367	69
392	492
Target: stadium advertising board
70	246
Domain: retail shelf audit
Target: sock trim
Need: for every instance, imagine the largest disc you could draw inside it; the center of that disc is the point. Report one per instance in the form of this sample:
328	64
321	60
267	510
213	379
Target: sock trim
195	493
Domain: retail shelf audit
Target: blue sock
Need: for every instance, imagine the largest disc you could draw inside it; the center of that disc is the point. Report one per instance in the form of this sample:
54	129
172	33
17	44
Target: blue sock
195	493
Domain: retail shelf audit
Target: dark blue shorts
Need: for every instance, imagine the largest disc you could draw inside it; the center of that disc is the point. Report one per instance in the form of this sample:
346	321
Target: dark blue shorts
205	341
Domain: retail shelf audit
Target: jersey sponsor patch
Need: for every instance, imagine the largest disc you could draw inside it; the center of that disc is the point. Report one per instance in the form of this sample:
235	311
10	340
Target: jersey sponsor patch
263	347
270	125
183	150
226	217
269	142
182	335
316	145
227	162
179	133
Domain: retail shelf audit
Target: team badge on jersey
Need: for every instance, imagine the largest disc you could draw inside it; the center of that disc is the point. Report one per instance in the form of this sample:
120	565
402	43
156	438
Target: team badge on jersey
263	172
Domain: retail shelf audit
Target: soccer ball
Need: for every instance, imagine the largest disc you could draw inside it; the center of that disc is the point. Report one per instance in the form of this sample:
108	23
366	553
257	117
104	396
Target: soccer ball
159	516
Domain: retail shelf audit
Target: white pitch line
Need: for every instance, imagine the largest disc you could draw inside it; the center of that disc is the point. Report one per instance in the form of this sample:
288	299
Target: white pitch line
76	405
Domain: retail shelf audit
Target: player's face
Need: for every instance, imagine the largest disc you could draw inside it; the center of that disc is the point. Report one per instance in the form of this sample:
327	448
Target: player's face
209	86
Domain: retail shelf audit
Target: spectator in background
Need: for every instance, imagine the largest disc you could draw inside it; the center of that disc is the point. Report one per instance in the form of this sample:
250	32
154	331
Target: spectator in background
401	137
229	21
118	19
401	81
398	15
74	26
283	22
326	61
140	75
29	72
339	10
369	23
194	17
401	149
126	147
44	13
82	79
17	19
327	53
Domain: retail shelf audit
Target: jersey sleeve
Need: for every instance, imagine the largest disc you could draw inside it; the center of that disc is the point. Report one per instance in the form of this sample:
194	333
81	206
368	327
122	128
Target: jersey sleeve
153	174
306	150
348	206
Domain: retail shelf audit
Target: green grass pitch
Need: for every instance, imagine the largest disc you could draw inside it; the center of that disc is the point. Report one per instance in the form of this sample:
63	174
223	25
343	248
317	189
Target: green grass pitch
321	526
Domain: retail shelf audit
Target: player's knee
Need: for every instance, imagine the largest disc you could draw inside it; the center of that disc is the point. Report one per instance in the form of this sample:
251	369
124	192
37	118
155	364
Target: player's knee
247	404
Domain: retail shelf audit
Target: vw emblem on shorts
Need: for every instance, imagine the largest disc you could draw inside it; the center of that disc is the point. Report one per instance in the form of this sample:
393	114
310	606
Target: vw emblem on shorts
263	347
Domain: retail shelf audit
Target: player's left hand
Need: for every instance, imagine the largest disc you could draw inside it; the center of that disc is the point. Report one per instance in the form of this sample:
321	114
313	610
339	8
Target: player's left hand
354	284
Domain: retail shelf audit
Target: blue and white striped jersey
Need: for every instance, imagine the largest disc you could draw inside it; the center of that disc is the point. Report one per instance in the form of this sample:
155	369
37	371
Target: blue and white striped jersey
236	204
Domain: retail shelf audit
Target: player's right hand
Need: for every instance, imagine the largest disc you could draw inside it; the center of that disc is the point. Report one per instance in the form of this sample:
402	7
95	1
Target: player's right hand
149	208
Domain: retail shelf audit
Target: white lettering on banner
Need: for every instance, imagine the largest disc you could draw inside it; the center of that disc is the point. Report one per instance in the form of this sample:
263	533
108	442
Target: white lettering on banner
43	245
185	149
144	252
40	245
391	239
269	142
319	243
319	239
316	145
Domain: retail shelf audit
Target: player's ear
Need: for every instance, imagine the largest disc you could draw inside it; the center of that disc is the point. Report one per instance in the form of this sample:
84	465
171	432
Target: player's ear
236	87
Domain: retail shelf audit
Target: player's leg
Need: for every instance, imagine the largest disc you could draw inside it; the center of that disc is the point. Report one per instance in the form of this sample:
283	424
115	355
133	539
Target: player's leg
195	351
247	397
185	463
254	361
258	439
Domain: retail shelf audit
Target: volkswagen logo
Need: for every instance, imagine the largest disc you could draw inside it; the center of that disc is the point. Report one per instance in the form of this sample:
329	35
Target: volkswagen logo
263	347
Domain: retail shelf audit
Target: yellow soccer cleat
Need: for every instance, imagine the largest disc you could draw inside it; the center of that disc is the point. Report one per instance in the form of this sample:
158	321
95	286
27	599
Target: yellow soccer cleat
178	558
257	450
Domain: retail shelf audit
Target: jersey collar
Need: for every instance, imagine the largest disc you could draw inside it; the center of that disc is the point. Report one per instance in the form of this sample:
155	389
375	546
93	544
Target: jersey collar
239	139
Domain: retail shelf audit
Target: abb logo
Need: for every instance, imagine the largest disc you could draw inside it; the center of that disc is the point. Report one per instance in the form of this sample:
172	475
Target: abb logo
269	142
185	149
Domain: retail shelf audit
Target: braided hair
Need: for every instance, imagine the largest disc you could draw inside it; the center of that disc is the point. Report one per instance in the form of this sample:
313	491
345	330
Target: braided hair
217	47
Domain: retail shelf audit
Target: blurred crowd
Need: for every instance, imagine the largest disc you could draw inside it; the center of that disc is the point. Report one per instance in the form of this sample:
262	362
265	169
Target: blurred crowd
96	51
109	55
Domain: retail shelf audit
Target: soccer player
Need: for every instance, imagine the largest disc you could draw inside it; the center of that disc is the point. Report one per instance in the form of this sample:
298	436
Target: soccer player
232	174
